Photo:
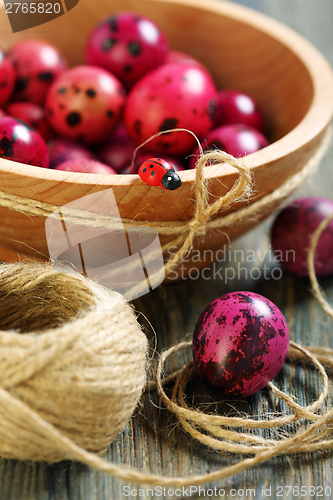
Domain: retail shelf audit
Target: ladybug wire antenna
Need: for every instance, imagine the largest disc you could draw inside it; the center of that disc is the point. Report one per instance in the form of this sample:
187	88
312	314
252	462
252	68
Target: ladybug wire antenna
165	132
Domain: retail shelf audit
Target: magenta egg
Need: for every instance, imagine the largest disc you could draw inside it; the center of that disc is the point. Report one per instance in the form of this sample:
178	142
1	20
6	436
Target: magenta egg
37	64
19	142
86	166
172	96
234	106
240	343
292	231
128	45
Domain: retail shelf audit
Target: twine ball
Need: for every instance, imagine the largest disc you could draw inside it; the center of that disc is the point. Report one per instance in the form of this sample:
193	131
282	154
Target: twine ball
72	362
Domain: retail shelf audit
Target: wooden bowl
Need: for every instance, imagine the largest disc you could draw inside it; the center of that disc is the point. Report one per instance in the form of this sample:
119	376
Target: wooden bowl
243	49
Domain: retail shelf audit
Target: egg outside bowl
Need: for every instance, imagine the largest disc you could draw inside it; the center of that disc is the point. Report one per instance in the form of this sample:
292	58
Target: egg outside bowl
243	49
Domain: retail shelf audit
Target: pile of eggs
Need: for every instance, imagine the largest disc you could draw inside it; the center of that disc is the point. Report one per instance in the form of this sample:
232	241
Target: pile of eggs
90	118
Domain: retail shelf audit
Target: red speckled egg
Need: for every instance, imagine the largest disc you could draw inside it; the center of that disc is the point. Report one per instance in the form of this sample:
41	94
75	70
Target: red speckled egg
292	232
240	343
37	64
85	103
128	45
172	96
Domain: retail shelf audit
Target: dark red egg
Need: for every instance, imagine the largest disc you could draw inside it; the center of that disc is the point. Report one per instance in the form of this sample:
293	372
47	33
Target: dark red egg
240	343
292	231
117	151
61	150
234	106
236	140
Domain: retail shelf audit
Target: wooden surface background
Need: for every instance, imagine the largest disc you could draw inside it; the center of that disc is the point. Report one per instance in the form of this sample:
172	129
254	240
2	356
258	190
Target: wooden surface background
152	440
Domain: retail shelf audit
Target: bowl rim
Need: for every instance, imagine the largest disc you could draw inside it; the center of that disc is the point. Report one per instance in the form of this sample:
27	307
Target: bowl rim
314	122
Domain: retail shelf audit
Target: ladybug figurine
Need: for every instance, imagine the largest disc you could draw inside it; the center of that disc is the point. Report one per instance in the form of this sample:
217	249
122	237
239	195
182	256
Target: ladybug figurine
158	172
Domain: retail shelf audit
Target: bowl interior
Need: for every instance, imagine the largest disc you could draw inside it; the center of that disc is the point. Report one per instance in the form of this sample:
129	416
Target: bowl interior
238	51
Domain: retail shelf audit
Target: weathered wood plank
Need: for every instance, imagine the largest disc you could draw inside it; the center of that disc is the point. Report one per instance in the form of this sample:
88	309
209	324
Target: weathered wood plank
152	440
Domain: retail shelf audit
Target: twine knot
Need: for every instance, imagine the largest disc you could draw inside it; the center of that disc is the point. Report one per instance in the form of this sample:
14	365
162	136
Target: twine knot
198	227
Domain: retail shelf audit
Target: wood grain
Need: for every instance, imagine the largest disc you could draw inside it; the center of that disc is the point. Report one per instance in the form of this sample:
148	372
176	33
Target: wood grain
152	440
243	49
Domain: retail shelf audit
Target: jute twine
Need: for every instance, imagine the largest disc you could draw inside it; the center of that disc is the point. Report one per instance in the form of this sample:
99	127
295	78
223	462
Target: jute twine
67	379
74	360
204	214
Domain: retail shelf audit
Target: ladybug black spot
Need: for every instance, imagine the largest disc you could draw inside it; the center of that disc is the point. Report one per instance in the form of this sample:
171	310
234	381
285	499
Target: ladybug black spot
151	166
127	68
168	123
21	84
62	90
45	77
90	93
110	113
108	43
134	48
73	119
152	172
144	170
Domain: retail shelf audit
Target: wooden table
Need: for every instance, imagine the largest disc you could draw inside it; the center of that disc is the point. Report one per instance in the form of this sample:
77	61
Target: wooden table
152	440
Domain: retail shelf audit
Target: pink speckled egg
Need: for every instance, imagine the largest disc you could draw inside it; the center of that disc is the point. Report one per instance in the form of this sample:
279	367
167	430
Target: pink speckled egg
240	343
